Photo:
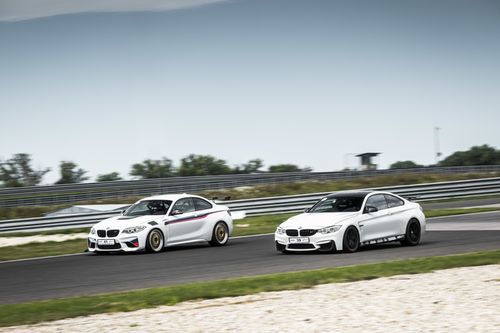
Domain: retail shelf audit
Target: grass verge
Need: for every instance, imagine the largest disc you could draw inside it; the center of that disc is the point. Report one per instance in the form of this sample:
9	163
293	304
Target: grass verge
16	314
249	226
33	250
458	211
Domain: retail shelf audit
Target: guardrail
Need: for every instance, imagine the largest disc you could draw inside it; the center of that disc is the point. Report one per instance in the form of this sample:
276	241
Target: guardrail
72	193
272	205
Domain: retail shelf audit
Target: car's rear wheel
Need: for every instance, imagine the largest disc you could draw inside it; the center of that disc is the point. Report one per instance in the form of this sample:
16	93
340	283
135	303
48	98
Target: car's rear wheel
413	232
351	240
154	242
220	234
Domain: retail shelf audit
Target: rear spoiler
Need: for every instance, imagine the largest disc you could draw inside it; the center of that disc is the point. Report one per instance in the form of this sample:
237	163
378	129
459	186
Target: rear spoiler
225	199
410	197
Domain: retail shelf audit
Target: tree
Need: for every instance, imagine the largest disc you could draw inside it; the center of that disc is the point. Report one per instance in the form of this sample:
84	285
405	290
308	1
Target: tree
251	166
404	165
70	174
201	165
153	169
109	177
288	168
477	155
17	172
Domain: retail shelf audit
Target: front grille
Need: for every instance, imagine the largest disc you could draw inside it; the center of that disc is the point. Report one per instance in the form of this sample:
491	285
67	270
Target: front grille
292	232
307	232
101	233
116	246
301	246
113	233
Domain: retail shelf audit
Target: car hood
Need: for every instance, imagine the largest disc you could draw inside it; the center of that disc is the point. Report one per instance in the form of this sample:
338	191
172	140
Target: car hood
317	220
122	222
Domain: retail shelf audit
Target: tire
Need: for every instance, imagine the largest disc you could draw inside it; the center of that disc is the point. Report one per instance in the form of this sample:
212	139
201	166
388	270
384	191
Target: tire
351	240
155	241
220	234
413	233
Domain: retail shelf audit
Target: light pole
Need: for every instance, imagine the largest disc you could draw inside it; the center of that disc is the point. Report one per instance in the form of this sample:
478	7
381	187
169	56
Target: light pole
436	143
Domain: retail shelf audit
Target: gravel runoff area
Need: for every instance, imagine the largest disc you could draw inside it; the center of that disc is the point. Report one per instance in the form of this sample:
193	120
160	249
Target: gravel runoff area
454	300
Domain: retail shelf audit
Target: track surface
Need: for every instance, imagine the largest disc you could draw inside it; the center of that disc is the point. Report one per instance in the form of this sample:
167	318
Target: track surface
88	274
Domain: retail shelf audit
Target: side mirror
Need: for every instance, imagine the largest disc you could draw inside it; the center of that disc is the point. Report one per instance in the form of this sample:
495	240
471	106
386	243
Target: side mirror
122	212
307	210
176	212
370	209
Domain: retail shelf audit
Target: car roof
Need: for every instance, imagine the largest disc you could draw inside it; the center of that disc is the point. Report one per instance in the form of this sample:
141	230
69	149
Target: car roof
360	193
356	194
170	197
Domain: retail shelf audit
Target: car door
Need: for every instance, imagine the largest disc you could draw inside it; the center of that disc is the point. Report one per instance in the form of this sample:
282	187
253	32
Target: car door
183	222
397	211
375	225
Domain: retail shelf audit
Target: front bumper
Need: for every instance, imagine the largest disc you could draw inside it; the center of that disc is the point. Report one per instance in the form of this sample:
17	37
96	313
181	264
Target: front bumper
129	243
317	242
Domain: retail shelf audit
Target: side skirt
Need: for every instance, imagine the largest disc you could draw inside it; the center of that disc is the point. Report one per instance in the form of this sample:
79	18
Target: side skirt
383	240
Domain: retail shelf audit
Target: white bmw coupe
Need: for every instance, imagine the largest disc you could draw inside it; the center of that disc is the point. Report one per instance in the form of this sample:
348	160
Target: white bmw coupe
349	219
156	222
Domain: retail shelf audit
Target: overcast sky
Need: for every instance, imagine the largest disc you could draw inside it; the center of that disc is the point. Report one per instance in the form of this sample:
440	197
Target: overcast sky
110	83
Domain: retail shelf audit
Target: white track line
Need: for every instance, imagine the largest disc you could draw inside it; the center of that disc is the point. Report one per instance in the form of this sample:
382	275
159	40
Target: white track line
46	257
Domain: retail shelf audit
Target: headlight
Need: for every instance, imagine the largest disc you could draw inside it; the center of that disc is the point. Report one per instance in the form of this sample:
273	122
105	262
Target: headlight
133	230
329	230
92	231
280	231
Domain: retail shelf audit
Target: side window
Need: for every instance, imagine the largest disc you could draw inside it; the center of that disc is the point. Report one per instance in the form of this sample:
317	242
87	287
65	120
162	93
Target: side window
392	201
200	204
185	205
378	201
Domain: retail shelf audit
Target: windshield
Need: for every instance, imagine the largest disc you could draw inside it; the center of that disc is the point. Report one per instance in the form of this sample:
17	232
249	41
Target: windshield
148	207
338	204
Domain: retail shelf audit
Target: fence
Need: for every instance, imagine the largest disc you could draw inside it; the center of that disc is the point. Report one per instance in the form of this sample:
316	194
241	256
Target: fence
271	205
72	193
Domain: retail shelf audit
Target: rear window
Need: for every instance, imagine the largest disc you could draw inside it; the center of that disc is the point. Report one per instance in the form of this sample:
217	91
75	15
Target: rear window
200	204
392	201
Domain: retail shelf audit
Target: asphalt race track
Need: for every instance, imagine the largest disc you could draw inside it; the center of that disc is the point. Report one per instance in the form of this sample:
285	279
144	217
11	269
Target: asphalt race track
87	274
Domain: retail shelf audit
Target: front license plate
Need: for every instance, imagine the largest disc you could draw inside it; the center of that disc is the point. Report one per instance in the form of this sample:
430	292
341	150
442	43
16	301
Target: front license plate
105	242
295	240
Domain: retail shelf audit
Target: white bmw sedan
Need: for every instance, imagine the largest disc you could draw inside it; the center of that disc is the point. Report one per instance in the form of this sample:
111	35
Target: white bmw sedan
156	222
344	221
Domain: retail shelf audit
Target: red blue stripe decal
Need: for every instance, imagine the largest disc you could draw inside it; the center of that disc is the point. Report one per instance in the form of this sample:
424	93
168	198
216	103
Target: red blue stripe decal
192	218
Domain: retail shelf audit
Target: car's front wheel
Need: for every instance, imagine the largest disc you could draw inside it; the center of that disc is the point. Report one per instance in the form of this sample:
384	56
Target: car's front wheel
154	242
413	232
220	234
351	240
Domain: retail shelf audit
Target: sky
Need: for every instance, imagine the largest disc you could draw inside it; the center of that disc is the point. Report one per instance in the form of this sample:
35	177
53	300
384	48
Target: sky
110	83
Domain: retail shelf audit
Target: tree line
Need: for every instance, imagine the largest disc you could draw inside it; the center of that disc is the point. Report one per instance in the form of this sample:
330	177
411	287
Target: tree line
476	155
18	170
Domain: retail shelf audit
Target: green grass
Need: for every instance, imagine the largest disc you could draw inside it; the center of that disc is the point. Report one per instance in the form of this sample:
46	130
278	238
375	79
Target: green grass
34	312
34	250
259	191
249	226
259	224
458	211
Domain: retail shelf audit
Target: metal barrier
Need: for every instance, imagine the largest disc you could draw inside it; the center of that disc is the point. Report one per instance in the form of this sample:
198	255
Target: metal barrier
272	205
72	193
